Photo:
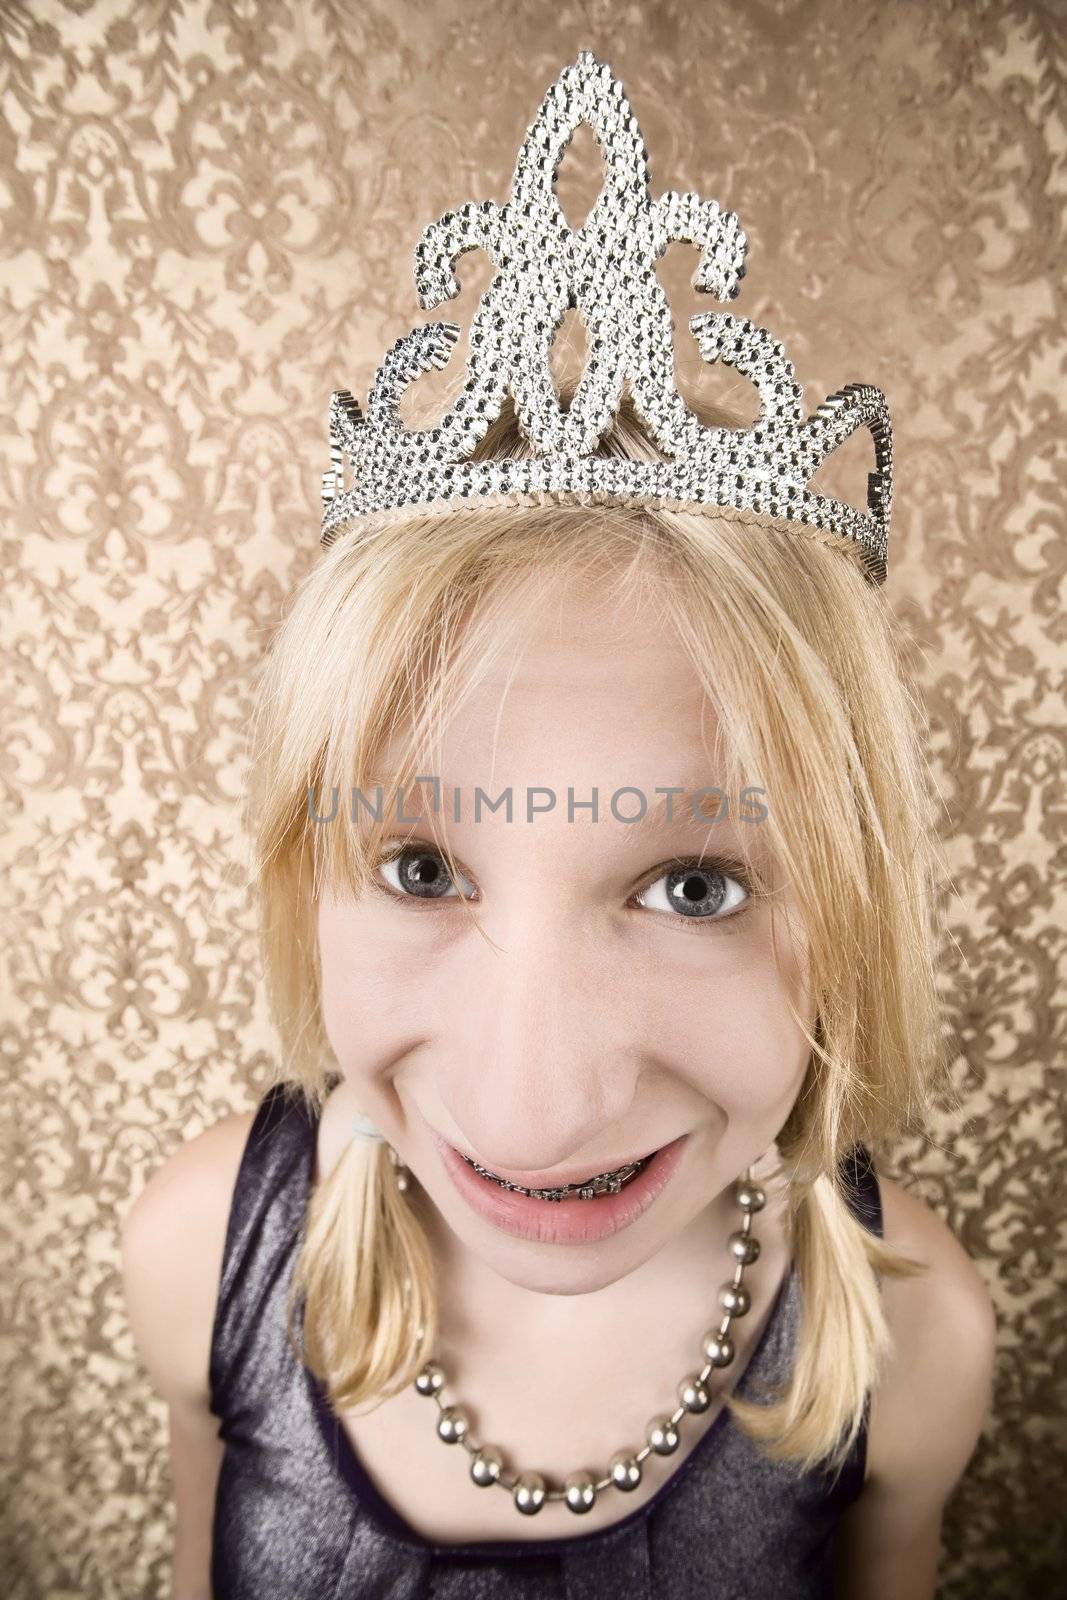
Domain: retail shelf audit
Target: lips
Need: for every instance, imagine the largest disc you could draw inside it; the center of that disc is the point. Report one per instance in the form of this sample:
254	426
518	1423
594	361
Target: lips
526	1215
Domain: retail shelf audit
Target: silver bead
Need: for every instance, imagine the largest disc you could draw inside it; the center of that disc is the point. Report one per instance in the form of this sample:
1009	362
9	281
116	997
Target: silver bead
718	1349
662	1435
529	1492
580	1492
452	1424
431	1380
693	1395
402	1179
486	1466
744	1247
750	1197
734	1299
625	1471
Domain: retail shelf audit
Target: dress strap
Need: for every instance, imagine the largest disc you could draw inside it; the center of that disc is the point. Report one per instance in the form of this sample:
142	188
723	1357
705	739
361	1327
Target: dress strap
267	1211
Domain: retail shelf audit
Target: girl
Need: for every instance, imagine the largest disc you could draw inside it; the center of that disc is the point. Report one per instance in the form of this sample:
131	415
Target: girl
596	877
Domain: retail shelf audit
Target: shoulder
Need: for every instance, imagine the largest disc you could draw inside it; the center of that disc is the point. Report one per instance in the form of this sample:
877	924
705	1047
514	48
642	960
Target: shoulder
928	1406
173	1239
934	1393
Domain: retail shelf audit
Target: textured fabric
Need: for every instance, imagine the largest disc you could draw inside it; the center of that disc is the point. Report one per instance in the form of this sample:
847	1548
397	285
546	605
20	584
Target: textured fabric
297	1518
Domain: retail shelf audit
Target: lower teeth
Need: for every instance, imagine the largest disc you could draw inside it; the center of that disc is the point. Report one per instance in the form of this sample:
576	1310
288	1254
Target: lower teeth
603	1183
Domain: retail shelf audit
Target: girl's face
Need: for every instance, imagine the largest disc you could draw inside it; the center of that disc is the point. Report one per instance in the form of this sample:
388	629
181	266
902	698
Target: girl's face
625	998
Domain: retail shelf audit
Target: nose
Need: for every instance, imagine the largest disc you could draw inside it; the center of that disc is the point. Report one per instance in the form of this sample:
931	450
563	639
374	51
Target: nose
549	1055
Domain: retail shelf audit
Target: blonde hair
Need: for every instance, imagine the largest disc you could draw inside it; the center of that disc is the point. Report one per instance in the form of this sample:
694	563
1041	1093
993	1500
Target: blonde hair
385	634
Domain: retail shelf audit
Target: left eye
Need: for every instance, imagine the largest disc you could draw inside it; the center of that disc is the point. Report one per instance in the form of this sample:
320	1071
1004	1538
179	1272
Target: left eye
700	893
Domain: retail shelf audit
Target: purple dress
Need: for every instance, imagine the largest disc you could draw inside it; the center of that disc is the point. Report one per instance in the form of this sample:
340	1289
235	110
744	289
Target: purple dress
297	1518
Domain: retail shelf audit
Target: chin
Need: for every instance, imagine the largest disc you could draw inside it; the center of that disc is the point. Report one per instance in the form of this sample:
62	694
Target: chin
555	1268
561	1269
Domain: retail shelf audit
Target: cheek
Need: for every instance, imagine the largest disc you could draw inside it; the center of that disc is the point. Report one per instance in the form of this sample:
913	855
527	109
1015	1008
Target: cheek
344	992
344	1013
375	997
730	1028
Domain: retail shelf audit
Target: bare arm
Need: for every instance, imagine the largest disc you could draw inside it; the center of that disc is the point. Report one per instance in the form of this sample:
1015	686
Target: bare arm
172	1245
926	1415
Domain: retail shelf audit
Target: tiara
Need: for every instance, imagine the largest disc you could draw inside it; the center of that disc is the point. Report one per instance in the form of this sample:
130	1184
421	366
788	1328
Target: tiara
606	269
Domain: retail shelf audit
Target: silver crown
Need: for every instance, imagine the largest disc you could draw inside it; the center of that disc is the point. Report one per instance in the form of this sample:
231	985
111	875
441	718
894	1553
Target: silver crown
606	269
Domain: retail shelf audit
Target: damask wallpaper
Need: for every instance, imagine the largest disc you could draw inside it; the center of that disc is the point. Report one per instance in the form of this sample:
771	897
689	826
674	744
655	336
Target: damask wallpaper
207	212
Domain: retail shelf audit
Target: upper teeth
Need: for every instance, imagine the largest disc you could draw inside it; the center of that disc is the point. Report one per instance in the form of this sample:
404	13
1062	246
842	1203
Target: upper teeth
602	1183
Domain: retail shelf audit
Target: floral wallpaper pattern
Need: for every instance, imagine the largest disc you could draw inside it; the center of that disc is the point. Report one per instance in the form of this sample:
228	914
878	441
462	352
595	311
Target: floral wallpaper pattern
207	214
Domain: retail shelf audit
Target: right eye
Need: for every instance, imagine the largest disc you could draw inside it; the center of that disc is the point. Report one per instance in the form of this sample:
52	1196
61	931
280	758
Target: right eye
419	873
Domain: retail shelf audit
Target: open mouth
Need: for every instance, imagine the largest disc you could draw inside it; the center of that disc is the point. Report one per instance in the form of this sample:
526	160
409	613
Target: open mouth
616	1198
589	1189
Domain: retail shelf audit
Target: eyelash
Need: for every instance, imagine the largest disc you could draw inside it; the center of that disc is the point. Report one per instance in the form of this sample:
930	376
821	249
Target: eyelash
728	866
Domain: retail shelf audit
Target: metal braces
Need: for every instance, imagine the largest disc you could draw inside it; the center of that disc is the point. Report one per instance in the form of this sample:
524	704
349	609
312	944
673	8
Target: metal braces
603	1183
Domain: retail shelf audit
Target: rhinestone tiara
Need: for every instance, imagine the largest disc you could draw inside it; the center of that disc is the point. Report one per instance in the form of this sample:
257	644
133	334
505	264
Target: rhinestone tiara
606	269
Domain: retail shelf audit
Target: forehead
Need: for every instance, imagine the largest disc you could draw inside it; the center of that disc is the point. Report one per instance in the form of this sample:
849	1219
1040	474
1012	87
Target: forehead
595	698
591	675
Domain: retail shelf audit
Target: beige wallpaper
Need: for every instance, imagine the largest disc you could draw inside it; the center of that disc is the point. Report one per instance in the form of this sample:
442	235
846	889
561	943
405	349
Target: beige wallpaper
207	213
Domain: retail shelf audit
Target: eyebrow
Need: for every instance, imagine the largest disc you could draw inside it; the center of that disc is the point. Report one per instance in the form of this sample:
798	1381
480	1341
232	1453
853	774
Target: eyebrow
677	810
668	812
